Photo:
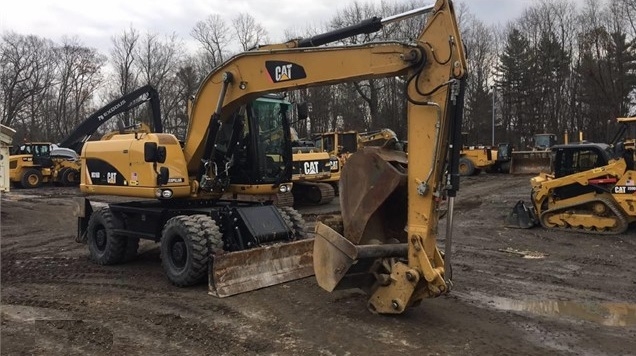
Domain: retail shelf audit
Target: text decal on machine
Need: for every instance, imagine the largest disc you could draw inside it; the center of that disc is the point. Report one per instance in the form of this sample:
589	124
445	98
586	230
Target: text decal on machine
280	71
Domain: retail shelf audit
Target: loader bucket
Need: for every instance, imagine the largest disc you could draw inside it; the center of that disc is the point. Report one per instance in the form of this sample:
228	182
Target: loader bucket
335	256
373	201
243	271
530	162
521	217
373	196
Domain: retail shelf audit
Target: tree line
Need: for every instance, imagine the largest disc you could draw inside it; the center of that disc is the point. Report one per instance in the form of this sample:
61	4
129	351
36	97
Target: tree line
556	68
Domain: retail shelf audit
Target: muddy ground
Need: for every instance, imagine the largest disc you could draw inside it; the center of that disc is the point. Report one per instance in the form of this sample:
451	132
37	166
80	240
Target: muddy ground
516	292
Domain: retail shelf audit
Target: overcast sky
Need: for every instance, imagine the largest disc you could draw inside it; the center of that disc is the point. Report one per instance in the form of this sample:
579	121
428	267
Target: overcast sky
95	22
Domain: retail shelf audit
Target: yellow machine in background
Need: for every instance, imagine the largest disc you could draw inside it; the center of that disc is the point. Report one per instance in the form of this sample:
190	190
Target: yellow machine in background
311	168
536	160
339	145
387	210
35	163
592	189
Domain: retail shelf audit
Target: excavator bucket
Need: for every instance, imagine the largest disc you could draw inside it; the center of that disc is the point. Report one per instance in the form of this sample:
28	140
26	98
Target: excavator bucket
373	207
243	271
530	162
521	217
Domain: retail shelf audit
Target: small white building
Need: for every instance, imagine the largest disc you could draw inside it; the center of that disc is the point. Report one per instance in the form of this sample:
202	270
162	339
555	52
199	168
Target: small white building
6	137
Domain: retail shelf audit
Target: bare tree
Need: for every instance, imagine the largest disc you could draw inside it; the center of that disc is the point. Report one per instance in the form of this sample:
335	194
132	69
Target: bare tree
213	35
77	77
123	58
248	31
158	63
26	70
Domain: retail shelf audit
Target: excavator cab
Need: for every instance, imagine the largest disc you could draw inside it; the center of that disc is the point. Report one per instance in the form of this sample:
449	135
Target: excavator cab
262	157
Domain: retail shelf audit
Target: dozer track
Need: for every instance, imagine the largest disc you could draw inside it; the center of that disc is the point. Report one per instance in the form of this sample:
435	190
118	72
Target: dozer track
599	215
313	193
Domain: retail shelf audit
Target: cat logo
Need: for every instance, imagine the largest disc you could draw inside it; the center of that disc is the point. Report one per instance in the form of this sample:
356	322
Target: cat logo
280	71
311	167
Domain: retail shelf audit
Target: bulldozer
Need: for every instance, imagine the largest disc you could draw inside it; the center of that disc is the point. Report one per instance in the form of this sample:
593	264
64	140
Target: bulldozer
591	189
241	246
32	164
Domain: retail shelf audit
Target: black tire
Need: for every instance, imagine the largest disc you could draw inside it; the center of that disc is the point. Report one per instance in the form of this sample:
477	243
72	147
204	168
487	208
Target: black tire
466	167
213	235
104	246
69	177
31	178
294	221
184	251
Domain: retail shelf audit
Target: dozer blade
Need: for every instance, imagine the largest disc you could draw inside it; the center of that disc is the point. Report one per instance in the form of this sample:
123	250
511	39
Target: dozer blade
243	271
521	217
530	162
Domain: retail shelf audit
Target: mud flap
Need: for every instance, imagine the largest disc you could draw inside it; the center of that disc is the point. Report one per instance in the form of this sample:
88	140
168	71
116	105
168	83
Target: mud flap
521	217
243	271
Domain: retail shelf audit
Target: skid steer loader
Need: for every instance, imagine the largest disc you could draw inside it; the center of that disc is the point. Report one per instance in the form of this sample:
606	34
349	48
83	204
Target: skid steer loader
592	190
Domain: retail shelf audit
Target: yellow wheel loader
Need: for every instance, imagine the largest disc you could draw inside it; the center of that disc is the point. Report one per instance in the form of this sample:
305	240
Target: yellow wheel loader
35	163
390	213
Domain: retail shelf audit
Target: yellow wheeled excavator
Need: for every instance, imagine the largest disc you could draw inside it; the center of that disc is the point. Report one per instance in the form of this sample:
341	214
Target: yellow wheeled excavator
592	189
390	213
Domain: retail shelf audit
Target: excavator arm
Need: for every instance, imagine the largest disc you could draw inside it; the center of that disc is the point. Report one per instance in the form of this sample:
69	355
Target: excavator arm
435	58
76	139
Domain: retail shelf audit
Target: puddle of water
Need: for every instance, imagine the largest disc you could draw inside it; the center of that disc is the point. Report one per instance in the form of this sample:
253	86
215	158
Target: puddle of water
609	314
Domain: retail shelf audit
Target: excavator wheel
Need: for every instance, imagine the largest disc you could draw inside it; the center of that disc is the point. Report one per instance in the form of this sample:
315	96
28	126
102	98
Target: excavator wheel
184	250
104	246
213	235
31	178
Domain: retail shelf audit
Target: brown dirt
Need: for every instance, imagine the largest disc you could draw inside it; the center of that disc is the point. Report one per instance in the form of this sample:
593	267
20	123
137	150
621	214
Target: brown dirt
522	292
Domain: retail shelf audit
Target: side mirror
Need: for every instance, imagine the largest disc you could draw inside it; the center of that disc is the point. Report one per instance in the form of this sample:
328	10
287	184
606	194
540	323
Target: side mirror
150	151
303	111
164	175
